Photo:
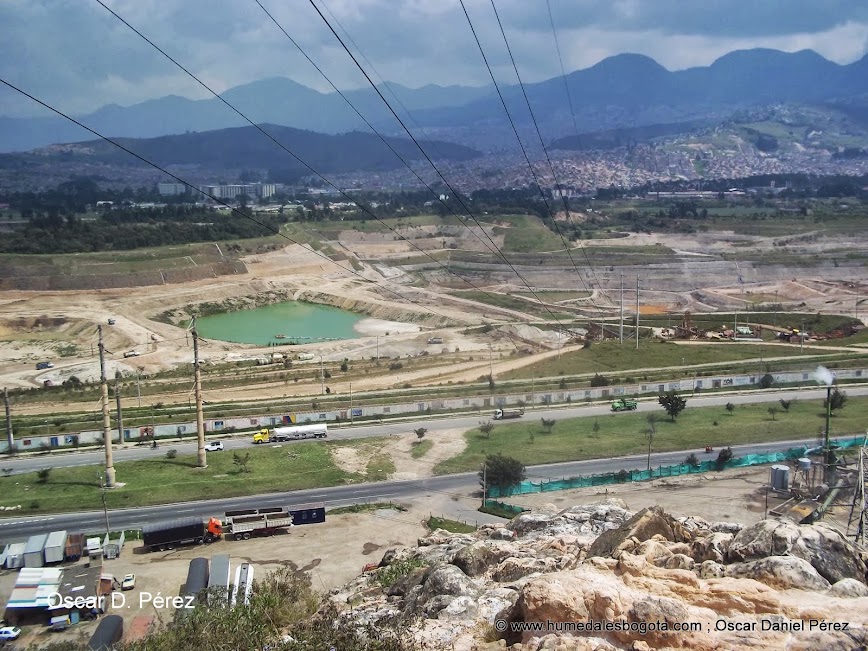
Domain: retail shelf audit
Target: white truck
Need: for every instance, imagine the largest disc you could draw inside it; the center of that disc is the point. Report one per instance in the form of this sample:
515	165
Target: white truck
501	414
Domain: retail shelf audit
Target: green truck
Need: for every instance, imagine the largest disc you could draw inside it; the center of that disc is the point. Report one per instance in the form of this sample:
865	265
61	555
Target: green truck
624	405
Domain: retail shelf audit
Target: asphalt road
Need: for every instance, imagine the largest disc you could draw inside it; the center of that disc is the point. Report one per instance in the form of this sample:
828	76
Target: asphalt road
463	485
128	452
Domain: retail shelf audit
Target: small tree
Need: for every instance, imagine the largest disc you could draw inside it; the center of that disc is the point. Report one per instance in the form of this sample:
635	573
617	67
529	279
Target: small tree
241	460
43	475
673	403
420	432
723	457
596	428
344	366
766	381
486	428
785	404
501	471
599	380
548	424
490	383
692	460
838	398
171	454
730	408
773	411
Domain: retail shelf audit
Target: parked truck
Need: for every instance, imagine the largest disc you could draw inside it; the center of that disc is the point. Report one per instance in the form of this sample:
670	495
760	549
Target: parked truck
624	405
294	433
501	414
185	531
256	522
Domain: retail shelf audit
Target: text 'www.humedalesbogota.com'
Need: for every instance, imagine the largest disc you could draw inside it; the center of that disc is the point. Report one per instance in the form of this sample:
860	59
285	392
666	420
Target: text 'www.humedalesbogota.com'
591	626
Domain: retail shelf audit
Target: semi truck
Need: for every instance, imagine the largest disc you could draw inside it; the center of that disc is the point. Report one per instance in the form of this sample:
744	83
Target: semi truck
294	433
501	414
184	531
624	405
256	522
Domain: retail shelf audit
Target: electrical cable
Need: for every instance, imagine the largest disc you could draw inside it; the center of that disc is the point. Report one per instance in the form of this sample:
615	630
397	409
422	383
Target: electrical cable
431	162
545	150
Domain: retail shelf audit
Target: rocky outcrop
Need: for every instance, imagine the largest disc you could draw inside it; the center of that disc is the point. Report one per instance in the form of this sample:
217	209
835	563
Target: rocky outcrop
598	577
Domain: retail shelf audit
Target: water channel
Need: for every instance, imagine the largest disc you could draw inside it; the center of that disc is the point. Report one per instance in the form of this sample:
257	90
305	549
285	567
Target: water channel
292	321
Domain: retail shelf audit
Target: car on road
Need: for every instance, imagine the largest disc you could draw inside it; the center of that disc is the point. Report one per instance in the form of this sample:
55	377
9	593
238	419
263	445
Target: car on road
214	446
129	582
131	353
9	633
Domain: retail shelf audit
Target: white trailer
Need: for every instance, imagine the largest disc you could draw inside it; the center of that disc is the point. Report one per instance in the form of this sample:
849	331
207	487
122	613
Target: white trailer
55	547
243	585
265	522
218	577
298	432
33	553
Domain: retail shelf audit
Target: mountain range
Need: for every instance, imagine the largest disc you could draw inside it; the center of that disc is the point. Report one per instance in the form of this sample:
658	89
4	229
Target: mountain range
627	90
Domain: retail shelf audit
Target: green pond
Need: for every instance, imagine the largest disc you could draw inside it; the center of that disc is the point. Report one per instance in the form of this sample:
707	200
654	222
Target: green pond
295	321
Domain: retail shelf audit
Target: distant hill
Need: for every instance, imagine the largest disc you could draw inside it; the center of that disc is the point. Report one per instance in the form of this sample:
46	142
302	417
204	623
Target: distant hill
623	91
246	148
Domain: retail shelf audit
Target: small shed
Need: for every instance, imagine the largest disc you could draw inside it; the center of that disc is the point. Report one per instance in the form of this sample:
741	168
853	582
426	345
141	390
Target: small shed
15	556
34	552
55	546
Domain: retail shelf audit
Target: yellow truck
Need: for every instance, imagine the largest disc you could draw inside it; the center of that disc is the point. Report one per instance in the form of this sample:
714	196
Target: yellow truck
295	433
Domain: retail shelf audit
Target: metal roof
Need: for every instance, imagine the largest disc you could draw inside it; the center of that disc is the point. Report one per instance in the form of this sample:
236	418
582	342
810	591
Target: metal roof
166	524
34	586
56	539
36	543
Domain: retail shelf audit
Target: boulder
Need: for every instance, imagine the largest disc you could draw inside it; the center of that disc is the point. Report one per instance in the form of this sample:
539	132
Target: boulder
711	570
782	572
848	588
711	548
679	562
512	569
478	558
446	580
642	526
525	522
406	583
832	555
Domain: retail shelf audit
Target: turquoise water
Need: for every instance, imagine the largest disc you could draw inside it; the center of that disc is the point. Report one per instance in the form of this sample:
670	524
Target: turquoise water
299	321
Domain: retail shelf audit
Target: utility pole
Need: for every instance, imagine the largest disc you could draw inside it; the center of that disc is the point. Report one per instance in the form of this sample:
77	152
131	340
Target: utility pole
10	441
351	402
637	311
621	326
104	507
321	376
484	481
650	440
532	391
491	361
120	413
138	388
378	348
106	422
828	473
201	460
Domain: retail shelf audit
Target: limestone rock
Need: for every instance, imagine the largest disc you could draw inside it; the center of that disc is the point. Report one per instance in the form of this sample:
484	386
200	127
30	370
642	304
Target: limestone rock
447	580
478	558
711	570
783	572
642	526
407	582
832	555
848	588
679	562
515	568
711	548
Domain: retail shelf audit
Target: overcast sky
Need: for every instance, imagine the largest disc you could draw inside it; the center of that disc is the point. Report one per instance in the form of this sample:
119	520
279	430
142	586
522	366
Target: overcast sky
77	56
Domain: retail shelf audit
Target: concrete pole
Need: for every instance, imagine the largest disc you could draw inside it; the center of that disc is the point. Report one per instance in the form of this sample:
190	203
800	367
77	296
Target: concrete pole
321	376
201	461
106	420
827	451
120	413
10	440
637	311
621	326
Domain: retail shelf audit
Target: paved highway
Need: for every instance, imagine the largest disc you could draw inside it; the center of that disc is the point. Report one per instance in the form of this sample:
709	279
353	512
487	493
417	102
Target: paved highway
461	485
62	459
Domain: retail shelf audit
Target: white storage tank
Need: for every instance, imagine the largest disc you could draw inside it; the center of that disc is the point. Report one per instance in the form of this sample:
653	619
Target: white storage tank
804	464
780	478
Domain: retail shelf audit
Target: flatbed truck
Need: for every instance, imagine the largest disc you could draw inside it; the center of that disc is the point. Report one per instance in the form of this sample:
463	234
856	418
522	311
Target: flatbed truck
624	405
242	525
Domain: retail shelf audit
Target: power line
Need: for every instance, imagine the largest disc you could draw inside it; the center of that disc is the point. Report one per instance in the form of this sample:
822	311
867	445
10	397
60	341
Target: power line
296	157
193	187
428	158
524	152
546	153
563	71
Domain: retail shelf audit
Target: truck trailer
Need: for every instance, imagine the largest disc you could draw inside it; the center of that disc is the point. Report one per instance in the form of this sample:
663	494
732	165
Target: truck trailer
218	579
295	433
197	577
311	513
185	531
256	522
501	414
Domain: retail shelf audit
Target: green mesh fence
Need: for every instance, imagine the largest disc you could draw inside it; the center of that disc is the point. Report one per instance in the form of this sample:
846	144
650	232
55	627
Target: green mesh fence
509	508
625	476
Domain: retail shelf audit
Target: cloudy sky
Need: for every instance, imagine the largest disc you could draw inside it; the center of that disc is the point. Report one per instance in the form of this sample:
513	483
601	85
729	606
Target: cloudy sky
77	56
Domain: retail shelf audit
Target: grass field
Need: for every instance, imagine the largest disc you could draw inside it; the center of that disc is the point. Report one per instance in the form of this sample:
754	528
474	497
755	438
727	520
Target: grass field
625	433
420	449
527	234
555	296
160	481
612	356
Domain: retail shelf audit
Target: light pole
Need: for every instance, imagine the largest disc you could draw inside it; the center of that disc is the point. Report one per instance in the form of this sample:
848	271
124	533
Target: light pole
138	388
104	507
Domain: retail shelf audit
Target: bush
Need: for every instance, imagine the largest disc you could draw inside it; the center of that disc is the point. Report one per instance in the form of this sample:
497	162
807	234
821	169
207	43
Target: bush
43	475
622	476
599	381
692	460
394	366
724	457
171	454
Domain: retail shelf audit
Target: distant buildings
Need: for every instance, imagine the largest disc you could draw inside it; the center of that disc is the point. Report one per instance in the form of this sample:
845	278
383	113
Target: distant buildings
251	190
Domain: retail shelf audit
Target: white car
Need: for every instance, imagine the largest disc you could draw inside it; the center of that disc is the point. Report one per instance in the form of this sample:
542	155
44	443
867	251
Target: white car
131	353
9	633
214	446
129	582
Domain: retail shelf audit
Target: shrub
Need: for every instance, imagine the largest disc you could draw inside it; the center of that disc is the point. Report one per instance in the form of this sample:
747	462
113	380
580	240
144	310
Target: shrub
394	366
599	381
171	454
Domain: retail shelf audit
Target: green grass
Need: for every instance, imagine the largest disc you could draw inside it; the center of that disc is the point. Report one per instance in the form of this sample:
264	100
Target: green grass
366	508
624	433
527	234
555	296
449	525
612	356
420	449
503	300
161	481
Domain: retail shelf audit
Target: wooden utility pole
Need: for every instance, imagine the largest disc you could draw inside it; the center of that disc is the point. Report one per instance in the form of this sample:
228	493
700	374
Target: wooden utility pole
120	413
621	326
106	419
201	462
10	441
